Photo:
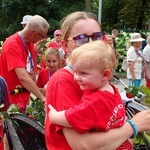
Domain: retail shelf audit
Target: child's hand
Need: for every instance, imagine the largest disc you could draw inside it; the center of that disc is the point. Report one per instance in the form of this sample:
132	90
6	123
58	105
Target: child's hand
52	113
57	117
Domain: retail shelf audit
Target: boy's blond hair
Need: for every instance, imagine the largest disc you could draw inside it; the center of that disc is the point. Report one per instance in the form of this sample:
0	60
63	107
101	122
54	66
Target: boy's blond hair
98	53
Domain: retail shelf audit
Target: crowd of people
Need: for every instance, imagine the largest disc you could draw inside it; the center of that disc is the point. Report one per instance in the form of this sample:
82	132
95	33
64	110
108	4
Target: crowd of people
74	82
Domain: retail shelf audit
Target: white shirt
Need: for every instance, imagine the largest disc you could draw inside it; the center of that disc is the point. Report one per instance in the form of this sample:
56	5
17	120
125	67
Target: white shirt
146	53
132	56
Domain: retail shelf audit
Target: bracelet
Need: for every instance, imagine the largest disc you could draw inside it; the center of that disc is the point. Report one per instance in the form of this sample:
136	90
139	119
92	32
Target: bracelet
134	128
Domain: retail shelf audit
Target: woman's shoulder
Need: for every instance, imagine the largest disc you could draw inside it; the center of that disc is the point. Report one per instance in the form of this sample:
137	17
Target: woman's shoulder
146	48
131	48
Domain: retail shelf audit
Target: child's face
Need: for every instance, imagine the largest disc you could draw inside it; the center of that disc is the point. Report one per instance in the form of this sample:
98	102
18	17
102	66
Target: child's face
109	40
52	62
88	78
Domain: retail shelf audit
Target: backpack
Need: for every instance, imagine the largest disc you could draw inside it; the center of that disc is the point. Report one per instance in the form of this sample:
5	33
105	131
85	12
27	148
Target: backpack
124	65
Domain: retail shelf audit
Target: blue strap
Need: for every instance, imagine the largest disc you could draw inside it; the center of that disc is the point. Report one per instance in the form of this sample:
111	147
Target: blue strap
70	66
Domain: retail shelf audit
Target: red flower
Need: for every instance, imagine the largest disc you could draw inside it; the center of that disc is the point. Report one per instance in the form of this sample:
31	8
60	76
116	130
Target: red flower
129	95
31	116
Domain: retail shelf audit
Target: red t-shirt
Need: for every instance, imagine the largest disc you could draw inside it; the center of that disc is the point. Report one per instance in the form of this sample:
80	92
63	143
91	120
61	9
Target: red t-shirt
54	45
43	77
42	63
62	92
1	138
98	110
14	56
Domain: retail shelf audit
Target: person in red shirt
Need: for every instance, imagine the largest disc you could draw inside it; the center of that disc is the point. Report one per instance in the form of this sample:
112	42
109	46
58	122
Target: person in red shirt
56	43
63	92
101	107
52	59
17	61
5	100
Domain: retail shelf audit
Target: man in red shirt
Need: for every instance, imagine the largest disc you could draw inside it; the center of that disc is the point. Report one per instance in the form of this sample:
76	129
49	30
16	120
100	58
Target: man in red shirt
17	61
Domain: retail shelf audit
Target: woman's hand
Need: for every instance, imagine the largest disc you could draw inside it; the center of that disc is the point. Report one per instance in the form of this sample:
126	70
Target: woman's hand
133	78
142	120
43	91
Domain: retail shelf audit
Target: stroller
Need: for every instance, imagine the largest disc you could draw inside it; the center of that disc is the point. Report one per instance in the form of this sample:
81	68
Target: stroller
22	132
30	134
132	107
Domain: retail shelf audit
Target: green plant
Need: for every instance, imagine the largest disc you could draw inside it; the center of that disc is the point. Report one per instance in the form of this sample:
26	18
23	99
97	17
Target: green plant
35	110
139	93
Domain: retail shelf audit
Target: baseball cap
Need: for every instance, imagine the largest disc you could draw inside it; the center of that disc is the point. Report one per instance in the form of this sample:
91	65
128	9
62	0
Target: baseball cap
26	18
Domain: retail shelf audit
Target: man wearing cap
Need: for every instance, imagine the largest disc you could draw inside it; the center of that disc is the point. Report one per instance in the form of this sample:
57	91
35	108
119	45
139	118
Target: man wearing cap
25	20
18	62
136	61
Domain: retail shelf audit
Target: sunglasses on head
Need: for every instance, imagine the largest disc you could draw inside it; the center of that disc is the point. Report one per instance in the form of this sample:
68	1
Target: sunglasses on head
83	38
58	34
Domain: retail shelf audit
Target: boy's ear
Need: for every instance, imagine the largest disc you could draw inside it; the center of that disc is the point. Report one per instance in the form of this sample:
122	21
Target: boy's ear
107	73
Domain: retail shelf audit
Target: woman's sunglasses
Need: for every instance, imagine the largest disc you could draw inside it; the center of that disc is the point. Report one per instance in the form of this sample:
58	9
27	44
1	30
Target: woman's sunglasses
58	34
83	38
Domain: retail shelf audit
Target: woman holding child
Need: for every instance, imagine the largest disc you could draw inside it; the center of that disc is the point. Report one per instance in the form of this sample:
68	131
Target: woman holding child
63	92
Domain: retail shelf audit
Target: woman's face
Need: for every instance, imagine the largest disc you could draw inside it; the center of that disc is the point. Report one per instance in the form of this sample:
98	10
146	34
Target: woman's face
88	27
137	45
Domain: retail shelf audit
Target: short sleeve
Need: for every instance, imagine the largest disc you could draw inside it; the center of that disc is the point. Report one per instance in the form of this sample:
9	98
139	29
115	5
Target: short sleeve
131	55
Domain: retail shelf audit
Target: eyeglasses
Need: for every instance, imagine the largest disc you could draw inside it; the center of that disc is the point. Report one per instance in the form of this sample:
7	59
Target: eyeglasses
58	34
83	38
40	34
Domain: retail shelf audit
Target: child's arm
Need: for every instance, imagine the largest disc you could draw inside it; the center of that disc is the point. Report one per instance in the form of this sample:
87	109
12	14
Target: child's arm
57	117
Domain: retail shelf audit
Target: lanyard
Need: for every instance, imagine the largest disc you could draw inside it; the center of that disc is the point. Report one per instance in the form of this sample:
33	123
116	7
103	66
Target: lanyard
28	52
49	73
70	66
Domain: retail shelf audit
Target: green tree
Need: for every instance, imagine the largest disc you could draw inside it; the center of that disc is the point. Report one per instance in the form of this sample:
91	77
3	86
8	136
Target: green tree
121	13
12	11
115	13
110	9
135	13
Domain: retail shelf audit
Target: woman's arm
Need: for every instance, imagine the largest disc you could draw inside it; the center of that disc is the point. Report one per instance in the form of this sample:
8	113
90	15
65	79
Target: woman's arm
107	140
147	71
131	68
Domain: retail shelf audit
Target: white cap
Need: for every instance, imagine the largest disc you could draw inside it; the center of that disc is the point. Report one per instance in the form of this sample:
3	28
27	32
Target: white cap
26	18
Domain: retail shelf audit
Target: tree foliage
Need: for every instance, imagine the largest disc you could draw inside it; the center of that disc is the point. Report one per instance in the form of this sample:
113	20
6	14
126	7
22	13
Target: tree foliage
12	12
135	14
123	13
115	13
